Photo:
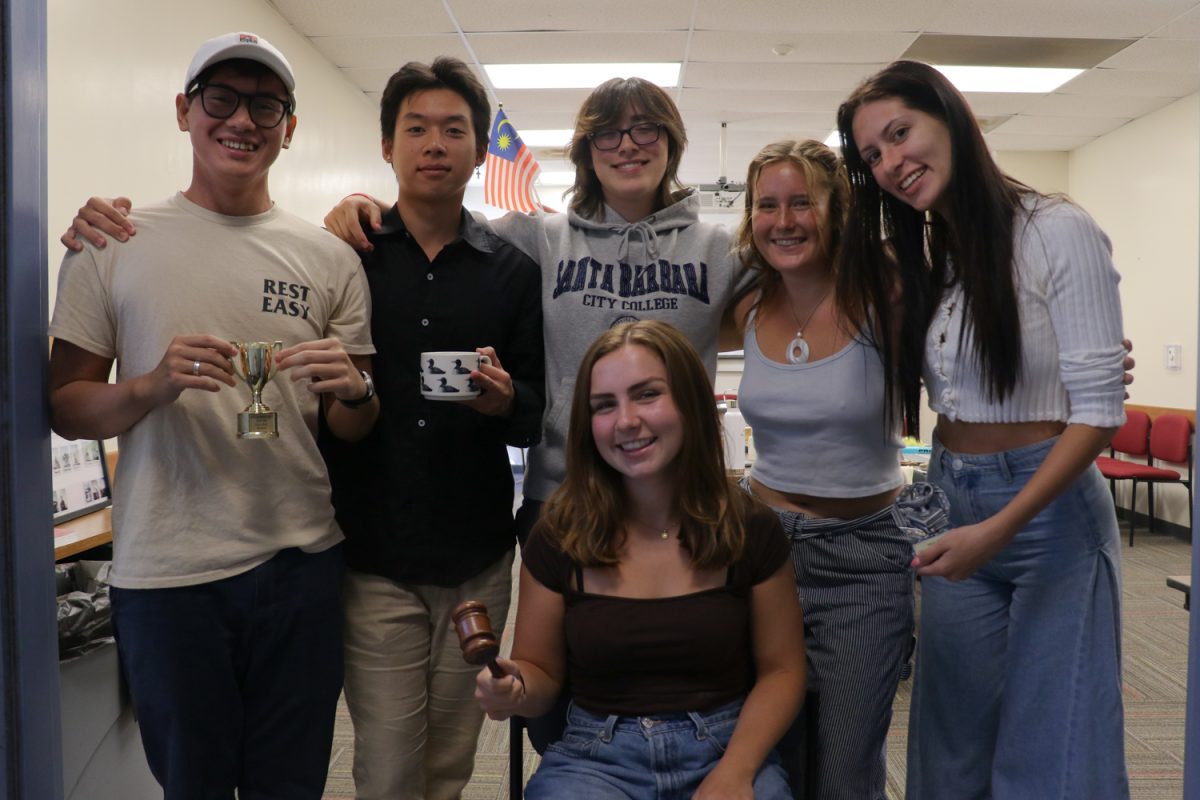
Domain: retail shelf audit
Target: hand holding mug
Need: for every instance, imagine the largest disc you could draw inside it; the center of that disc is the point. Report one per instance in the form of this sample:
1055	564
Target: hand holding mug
449	375
496	392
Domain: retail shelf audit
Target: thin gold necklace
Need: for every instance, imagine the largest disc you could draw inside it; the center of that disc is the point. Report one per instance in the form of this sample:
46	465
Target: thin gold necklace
664	533
797	349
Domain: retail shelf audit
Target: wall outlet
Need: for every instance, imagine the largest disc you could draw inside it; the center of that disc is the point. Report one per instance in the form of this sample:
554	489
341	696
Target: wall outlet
1173	356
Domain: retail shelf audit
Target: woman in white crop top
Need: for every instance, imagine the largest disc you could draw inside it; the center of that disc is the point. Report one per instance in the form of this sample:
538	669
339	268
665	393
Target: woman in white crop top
828	464
1011	302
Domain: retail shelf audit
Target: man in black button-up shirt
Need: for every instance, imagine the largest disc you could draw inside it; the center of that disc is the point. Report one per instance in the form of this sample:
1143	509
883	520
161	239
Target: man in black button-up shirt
426	499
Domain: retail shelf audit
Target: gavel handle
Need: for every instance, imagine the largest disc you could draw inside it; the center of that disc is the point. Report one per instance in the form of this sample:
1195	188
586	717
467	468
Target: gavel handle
495	669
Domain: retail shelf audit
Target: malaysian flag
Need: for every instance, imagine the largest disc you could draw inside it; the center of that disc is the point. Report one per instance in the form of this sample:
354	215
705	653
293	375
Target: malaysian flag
509	169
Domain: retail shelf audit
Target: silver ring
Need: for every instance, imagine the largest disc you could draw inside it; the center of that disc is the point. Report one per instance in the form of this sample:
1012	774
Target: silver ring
195	367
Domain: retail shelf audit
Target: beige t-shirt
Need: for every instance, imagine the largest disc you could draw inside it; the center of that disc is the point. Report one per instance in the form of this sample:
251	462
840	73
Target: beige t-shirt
192	503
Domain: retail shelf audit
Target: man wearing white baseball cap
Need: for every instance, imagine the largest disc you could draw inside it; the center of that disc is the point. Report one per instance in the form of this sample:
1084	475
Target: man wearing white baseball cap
227	559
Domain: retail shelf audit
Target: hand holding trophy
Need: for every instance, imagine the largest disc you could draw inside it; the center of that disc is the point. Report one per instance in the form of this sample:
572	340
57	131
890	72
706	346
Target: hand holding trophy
254	363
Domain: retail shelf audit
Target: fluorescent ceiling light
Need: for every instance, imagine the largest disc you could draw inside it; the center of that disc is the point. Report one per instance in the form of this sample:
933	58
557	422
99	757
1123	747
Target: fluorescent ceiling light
577	76
547	137
834	139
1007	79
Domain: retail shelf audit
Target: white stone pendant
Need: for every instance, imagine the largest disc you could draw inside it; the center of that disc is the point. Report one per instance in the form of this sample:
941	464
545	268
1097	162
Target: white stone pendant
797	352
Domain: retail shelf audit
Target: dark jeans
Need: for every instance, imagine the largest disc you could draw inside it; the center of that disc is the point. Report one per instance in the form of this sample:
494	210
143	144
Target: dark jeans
235	682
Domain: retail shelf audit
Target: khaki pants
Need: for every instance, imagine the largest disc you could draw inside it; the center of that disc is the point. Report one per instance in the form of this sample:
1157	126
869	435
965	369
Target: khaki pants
410	694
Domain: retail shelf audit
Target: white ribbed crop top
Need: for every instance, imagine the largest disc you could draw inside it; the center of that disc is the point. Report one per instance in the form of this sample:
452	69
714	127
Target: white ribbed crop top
1070	318
819	427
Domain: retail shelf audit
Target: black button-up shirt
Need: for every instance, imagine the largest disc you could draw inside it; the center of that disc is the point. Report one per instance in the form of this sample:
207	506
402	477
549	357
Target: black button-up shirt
426	497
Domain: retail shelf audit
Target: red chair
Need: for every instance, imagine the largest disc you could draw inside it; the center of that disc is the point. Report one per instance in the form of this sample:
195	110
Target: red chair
1171	442
1133	439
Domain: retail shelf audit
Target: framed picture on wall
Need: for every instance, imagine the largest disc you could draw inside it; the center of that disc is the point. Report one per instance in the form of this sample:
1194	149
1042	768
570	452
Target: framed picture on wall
81	484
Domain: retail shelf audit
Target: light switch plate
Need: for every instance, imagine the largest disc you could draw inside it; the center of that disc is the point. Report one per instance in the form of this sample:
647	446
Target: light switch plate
1173	356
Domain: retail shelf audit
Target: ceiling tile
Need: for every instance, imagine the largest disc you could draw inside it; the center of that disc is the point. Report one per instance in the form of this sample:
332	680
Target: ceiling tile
1082	105
364	17
556	15
782	77
570	47
388	52
1158	55
834	47
1013	51
1185	26
998	104
1059	126
1103	19
1106	82
817	15
757	101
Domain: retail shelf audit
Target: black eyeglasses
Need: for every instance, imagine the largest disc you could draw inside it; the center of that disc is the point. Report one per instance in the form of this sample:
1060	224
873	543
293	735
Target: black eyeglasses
642	133
221	102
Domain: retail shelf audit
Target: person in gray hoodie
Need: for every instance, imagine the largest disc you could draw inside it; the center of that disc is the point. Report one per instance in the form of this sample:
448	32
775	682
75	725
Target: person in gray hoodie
631	247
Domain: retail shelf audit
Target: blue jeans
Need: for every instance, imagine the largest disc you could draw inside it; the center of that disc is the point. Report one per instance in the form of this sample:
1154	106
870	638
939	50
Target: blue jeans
235	682
643	758
1018	677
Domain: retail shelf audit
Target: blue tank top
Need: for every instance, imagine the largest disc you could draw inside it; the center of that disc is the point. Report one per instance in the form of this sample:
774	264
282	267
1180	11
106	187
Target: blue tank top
819	427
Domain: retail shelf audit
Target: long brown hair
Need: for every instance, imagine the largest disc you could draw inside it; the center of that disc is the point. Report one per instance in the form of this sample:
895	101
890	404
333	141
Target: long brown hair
828	192
603	109
586	514
972	245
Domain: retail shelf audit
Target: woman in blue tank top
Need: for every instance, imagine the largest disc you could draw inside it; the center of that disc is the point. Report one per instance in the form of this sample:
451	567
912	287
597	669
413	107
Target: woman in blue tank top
828	463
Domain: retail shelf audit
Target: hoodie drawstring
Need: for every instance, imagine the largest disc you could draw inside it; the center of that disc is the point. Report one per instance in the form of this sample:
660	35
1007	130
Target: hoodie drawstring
648	236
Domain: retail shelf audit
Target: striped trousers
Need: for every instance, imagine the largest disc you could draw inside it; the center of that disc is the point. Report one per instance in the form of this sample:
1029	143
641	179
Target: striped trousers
856	589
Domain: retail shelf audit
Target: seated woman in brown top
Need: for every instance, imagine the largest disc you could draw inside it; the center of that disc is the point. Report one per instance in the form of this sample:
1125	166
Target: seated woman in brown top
662	592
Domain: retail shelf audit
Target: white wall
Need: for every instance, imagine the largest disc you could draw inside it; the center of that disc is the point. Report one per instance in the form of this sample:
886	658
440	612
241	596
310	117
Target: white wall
114	70
1142	185
1044	170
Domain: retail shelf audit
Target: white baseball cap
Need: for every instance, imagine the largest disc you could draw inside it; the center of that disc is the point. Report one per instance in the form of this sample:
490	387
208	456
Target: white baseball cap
241	45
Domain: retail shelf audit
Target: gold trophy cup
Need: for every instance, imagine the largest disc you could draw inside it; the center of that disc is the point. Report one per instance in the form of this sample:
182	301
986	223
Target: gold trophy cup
254	363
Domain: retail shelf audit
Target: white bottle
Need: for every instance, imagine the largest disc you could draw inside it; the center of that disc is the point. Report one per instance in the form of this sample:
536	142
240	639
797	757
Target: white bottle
734	425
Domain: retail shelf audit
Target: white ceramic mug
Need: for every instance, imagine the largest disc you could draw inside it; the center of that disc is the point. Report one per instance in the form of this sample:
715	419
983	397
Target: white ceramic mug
446	375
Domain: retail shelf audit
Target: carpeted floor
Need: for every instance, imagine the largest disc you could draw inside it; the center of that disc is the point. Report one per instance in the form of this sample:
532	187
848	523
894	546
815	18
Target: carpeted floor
1155	653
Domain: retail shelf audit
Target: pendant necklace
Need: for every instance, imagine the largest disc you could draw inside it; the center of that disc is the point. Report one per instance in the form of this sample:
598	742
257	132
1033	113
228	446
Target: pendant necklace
797	349
663	534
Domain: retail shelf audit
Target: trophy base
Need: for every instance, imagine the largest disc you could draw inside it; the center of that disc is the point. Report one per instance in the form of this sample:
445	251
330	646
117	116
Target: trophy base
258	425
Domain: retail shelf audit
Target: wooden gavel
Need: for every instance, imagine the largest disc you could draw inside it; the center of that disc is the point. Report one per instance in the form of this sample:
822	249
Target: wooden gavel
474	629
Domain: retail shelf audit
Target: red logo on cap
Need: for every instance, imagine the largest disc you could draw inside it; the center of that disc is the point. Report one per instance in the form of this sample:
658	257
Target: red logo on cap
247	38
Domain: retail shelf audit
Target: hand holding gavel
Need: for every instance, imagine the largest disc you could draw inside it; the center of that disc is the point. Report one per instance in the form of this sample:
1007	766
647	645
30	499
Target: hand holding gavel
480	647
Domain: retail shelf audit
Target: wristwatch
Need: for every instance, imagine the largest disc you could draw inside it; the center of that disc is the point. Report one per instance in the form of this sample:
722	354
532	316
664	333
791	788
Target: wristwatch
366	398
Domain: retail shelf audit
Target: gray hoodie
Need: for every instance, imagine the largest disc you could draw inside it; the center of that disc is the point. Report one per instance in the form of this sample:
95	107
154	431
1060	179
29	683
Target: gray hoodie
596	274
